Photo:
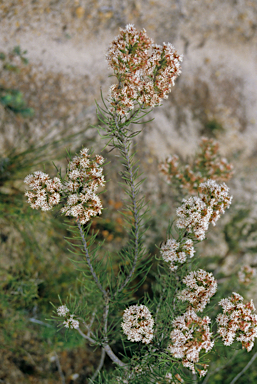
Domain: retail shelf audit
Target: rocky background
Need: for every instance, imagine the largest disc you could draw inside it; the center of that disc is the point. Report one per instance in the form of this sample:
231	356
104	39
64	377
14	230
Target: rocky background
216	96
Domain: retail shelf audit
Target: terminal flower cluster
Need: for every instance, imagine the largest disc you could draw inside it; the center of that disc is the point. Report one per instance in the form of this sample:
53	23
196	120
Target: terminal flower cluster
201	286
237	322
69	322
176	253
190	335
196	213
145	71
138	324
46	193
246	274
78	192
208	164
84	177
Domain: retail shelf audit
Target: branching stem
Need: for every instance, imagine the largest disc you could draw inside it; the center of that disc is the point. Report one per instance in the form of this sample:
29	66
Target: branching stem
106	347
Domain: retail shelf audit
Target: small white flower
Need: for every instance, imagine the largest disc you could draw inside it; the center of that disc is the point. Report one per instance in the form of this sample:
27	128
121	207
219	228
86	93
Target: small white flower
138	323
237	321
71	323
201	286
190	335
62	310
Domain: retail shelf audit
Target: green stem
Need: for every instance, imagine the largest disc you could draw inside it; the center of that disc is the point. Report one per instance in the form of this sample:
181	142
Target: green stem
124	148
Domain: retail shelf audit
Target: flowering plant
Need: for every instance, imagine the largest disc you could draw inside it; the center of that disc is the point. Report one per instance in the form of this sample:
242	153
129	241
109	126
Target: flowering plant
164	337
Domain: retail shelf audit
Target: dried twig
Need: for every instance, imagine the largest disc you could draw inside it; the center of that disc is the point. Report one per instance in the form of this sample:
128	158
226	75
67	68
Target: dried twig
106	347
32	320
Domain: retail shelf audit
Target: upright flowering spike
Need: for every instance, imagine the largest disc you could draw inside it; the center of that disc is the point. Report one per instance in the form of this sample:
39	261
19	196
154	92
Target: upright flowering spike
201	286
145	71
209	159
237	322
190	335
138	324
208	164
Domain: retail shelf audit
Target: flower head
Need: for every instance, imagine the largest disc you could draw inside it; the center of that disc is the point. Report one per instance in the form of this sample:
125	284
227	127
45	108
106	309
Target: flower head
190	335
46	193
196	213
237	322
201	286
176	253
85	175
138	324
216	196
145	71
62	310
71	323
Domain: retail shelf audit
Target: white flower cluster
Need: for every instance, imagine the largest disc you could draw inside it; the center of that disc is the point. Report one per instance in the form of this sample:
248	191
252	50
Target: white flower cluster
176	253
84	178
145	71
196	213
246	274
237	322
46	192
85	175
201	287
138	324
69	322
62	310
207	165
190	335
216	196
